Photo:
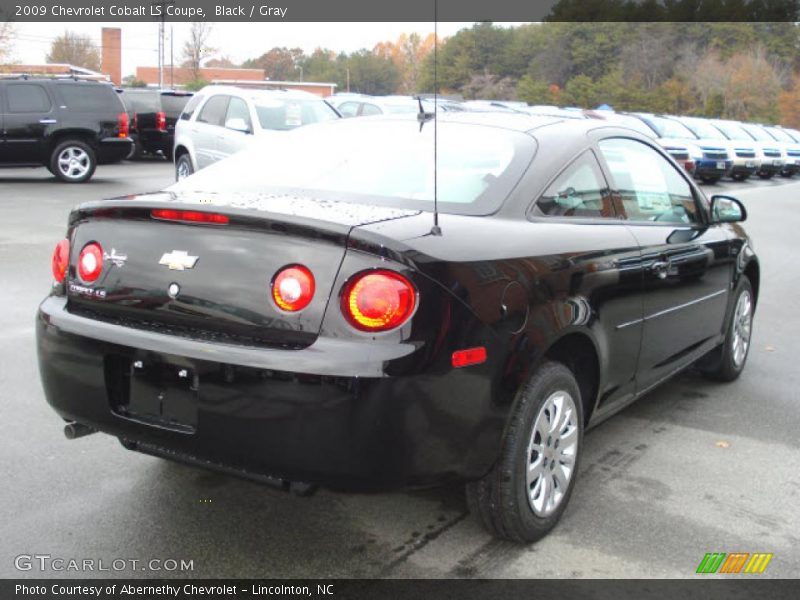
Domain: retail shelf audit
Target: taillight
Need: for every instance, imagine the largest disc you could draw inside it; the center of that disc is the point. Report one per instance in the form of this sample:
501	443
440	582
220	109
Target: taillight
90	262
123	124
378	300
293	288
60	260
189	216
161	121
135	121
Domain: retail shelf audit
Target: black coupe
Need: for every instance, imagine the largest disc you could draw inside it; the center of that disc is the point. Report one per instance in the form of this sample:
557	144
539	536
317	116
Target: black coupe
300	313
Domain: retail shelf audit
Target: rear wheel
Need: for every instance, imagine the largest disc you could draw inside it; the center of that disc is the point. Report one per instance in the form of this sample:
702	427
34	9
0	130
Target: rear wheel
709	178
765	174
526	492
183	167
73	161
726	362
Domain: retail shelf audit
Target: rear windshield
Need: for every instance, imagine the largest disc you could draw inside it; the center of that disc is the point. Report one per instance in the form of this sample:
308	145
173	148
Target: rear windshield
389	163
173	104
141	102
86	97
282	114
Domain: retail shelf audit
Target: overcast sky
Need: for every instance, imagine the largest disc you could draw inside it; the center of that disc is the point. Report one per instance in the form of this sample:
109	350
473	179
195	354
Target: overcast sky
238	41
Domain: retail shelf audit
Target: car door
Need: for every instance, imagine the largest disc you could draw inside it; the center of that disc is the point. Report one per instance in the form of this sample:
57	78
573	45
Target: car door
593	273
238	130
686	261
30	111
207	129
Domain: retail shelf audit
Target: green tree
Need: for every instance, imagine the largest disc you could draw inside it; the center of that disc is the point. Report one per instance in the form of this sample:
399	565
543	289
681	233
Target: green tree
371	74
534	91
580	91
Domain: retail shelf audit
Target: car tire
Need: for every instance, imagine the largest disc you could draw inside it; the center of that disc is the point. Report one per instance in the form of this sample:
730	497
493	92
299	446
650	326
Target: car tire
763	175
710	179
740	176
505	500
73	161
183	167
726	362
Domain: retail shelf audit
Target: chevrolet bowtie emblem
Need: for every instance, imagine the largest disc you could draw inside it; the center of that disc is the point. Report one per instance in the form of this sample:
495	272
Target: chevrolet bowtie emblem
178	260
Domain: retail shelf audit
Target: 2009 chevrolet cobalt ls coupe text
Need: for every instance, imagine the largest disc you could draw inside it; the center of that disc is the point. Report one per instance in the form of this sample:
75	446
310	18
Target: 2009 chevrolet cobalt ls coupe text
292	314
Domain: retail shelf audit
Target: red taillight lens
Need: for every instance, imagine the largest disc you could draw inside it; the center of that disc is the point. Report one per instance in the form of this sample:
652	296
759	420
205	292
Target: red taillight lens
123	125
378	300
161	121
189	216
90	262
60	260
135	121
293	288
470	356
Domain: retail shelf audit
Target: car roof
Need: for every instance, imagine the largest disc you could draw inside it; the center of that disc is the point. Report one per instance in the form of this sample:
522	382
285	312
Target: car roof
257	93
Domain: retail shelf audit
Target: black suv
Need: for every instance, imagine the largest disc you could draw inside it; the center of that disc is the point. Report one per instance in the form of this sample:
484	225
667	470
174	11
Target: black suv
153	114
67	125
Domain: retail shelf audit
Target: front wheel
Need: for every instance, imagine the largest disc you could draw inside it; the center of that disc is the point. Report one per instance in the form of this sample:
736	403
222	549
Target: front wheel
726	362
183	167
73	161
524	495
709	179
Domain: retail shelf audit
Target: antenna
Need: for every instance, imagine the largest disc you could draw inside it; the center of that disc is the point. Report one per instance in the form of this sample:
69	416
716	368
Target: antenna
435	230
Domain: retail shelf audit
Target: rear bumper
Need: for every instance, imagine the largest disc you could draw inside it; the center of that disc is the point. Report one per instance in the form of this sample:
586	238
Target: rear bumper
155	140
112	149
326	414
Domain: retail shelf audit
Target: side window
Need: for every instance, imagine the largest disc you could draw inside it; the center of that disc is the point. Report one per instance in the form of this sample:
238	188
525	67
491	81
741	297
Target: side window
650	188
580	191
367	110
27	98
348	109
238	111
190	107
214	111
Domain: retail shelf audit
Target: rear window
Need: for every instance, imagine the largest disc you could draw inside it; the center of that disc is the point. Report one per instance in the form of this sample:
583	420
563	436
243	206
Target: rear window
173	104
190	107
141	102
389	163
84	97
282	114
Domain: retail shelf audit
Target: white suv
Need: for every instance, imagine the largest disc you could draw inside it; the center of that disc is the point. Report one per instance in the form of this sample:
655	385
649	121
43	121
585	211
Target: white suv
220	120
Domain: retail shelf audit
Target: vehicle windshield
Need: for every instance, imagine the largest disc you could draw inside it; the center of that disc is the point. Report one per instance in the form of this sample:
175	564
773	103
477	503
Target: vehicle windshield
779	134
388	163
757	133
142	101
282	114
667	128
794	133
732	131
703	129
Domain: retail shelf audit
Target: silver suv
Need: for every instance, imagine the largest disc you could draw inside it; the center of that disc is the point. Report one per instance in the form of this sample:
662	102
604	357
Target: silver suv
221	120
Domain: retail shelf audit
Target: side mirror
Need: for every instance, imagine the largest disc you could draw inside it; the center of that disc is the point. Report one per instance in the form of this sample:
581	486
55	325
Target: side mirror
727	209
237	125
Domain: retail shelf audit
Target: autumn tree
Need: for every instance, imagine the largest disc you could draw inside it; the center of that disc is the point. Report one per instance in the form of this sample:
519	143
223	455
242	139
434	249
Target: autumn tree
75	49
197	47
408	54
371	74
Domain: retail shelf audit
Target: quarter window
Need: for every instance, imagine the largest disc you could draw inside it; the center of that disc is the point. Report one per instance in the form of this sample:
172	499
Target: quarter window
190	107
649	187
368	110
214	110
27	98
580	191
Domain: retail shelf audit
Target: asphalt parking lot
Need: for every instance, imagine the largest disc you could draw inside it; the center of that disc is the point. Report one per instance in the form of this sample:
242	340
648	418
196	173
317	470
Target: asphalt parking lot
694	467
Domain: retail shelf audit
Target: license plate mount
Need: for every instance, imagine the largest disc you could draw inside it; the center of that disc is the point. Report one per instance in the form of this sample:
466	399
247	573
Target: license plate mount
721	165
163	394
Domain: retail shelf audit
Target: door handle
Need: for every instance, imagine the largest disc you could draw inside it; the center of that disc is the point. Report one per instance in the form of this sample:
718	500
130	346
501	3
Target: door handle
48	121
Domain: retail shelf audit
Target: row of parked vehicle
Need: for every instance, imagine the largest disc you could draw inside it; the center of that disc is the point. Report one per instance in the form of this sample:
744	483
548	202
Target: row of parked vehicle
71	125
